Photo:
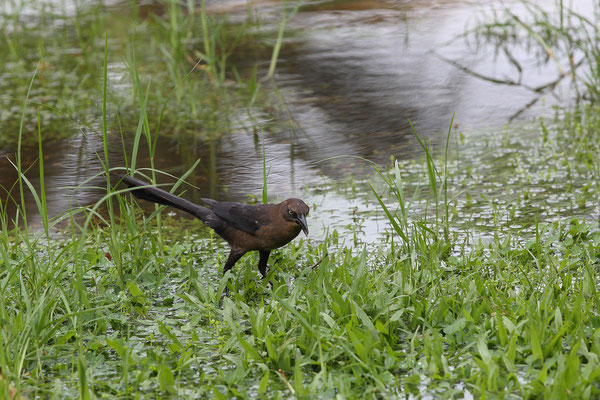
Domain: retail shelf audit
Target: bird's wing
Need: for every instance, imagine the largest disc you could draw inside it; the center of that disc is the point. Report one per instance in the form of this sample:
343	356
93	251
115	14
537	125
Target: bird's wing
245	217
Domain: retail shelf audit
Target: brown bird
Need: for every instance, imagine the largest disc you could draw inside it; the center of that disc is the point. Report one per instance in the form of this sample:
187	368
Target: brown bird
245	227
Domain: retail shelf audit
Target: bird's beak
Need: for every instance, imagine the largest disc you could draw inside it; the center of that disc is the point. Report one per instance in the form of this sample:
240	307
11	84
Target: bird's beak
301	219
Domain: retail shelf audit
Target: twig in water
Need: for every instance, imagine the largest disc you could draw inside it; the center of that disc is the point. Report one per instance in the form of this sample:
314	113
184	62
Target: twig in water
317	264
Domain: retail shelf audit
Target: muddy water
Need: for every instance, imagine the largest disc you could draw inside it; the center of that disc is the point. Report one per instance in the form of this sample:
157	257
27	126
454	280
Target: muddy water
351	75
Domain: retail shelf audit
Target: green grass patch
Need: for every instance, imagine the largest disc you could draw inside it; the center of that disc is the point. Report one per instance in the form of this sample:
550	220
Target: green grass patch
126	315
135	307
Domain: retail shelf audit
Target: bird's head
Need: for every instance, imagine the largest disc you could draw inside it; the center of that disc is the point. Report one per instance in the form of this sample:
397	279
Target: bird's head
296	210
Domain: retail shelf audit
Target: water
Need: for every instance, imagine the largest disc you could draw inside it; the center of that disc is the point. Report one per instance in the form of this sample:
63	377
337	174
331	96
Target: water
351	75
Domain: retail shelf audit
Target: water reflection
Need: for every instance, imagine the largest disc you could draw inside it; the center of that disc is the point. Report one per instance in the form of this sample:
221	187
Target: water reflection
69	169
351	73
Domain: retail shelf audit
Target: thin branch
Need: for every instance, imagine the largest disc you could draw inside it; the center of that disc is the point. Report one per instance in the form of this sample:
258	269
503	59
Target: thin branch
469	71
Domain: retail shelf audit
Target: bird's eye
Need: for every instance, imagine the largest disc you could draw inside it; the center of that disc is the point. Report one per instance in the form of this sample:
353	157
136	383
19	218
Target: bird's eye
290	212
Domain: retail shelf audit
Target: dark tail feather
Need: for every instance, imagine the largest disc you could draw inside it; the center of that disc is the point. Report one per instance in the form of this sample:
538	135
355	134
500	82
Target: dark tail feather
156	195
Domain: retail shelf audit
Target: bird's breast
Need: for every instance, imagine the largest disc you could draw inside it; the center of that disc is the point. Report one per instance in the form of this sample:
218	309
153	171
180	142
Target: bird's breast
267	237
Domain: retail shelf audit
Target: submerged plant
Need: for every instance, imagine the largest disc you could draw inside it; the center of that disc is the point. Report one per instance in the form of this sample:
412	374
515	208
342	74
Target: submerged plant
186	55
567	38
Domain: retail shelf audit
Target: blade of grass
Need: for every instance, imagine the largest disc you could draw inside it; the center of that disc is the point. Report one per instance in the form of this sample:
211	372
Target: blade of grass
43	209
20	141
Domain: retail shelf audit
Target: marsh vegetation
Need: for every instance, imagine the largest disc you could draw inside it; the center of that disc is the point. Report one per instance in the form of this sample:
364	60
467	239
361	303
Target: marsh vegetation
481	282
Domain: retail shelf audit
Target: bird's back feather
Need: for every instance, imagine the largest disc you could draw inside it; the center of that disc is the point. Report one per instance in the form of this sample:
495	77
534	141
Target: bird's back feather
245	217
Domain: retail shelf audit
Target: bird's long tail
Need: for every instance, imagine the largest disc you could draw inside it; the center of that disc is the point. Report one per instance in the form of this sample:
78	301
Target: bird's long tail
146	191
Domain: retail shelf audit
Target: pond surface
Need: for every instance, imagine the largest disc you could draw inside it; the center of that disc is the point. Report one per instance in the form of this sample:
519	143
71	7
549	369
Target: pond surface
350	76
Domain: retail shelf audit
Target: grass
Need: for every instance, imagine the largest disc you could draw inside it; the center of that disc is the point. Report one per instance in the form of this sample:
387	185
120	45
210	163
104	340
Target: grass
182	53
115	313
134	307
556	36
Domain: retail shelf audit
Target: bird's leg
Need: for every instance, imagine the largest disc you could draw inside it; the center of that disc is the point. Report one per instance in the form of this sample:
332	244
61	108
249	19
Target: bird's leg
262	263
234	256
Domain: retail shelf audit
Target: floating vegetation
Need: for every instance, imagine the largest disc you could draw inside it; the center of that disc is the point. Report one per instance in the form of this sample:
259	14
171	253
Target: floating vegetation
179	54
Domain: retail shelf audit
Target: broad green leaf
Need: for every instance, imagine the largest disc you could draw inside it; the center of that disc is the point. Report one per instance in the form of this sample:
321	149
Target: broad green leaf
264	381
458	325
165	378
484	352
501	330
534	339
250	351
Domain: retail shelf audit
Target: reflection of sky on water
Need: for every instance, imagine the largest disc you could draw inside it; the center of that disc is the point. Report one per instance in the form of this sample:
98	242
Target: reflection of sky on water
352	74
